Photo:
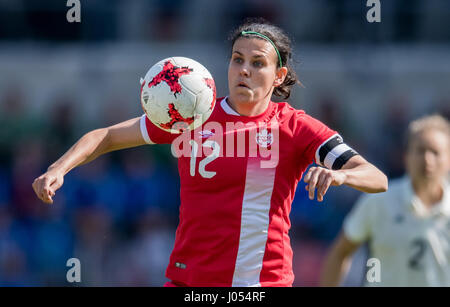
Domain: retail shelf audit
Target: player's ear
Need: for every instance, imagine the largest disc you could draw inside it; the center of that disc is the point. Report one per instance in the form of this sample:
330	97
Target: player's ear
280	76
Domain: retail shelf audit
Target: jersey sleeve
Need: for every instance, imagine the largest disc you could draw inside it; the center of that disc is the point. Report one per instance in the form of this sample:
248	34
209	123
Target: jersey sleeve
359	222
154	135
320	144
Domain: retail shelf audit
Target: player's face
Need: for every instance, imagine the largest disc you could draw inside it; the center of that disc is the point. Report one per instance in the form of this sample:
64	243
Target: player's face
428	155
252	72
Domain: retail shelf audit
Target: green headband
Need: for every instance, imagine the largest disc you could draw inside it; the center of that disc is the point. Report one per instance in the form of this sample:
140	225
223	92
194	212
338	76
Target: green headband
267	39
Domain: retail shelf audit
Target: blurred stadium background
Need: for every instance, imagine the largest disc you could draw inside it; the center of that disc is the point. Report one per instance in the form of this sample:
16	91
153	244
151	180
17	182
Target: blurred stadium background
118	215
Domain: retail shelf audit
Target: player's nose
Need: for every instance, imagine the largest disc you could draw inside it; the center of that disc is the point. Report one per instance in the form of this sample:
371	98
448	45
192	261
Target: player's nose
428	158
244	71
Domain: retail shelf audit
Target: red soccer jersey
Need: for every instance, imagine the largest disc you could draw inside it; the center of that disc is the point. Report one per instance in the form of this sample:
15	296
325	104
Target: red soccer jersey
236	196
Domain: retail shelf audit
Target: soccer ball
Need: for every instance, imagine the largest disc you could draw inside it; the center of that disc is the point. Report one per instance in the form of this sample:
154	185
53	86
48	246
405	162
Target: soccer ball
178	94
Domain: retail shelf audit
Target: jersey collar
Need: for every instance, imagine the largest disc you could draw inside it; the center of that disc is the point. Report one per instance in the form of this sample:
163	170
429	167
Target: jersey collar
226	107
413	202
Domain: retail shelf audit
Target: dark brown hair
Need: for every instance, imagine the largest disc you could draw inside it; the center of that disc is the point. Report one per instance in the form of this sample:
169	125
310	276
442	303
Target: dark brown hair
283	43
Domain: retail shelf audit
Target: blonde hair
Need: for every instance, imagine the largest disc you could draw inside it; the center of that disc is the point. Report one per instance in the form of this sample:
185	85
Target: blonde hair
435	122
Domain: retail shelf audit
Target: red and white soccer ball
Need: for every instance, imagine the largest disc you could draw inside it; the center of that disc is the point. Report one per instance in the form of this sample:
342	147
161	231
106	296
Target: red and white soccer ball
178	93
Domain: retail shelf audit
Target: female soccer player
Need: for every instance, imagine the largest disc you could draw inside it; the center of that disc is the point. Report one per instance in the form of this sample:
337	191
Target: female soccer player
408	228
234	211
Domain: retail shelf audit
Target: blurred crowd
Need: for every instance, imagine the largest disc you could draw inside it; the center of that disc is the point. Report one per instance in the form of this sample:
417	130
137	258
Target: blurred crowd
118	214
321	21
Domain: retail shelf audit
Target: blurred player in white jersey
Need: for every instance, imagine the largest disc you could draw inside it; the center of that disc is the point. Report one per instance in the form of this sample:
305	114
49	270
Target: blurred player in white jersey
407	228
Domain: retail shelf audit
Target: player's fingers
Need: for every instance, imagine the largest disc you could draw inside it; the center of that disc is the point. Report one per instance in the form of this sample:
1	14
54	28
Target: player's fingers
57	183
322	190
320	183
308	174
313	183
34	185
47	197
51	193
45	187
38	188
48	200
48	183
45	181
42	196
39	185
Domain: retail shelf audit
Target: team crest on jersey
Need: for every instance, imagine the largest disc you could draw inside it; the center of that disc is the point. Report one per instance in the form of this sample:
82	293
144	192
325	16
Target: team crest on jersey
264	138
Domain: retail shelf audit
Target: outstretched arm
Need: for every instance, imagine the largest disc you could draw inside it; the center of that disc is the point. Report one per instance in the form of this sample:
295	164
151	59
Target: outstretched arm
93	144
337	261
356	173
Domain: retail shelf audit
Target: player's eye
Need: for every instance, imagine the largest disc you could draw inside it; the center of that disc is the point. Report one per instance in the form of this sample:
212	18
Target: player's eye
258	64
238	60
420	150
433	152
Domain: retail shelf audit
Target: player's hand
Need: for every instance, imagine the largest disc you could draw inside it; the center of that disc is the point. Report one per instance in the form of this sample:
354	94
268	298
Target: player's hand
322	178
46	185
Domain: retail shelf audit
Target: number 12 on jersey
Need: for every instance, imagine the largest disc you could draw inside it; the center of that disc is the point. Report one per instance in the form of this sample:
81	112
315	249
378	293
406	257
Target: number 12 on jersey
208	159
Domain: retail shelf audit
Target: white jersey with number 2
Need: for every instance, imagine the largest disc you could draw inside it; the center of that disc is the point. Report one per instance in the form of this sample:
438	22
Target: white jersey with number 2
411	242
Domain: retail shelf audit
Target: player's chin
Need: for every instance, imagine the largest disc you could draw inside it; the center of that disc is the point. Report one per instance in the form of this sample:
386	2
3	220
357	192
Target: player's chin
433	175
243	95
429	175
